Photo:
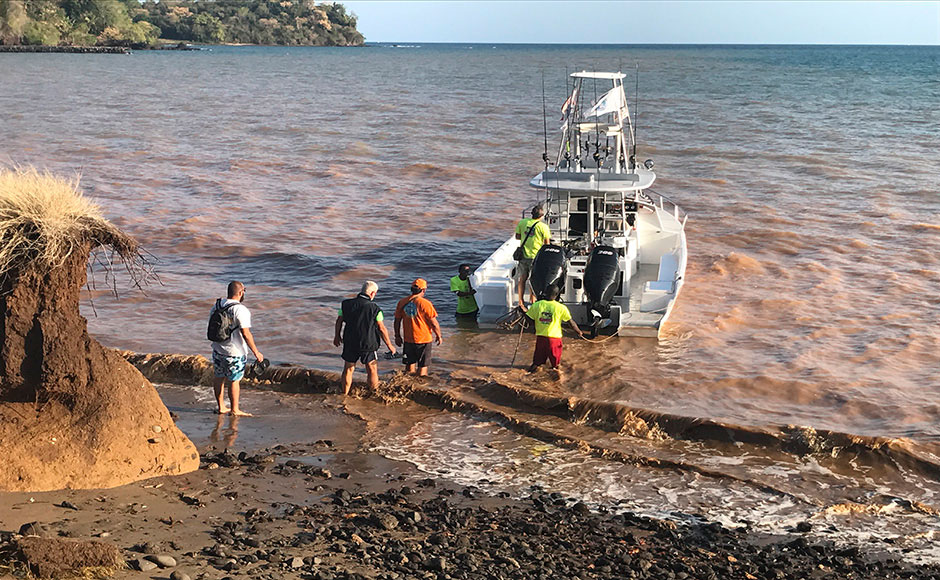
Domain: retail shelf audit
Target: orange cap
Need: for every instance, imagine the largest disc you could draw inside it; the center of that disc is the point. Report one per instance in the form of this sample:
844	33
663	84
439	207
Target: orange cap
420	283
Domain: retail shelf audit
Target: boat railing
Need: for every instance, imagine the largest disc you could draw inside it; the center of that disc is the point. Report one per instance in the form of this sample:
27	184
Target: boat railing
663	203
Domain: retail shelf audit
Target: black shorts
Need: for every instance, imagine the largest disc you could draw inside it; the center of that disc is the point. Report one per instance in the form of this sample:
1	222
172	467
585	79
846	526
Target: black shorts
354	356
468	314
419	354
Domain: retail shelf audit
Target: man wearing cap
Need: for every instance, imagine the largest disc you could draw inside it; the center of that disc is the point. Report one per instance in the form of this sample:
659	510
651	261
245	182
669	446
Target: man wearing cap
415	319
460	285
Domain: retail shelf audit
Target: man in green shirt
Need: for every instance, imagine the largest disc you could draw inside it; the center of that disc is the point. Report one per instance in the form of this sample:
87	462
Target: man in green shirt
548	315
533	234
460	285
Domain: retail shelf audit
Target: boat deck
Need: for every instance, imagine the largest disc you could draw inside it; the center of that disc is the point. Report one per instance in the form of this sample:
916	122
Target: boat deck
641	323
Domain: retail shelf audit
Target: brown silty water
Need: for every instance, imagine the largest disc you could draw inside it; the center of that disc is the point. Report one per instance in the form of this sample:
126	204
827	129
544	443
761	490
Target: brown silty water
799	368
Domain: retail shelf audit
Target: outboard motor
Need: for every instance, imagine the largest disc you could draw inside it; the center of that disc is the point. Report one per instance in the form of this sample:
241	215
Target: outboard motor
548	268
601	279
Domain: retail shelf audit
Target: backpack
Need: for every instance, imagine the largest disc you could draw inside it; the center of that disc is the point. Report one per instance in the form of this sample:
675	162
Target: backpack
221	322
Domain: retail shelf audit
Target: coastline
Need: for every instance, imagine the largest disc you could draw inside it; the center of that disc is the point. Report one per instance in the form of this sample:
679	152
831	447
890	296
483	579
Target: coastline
330	510
67	49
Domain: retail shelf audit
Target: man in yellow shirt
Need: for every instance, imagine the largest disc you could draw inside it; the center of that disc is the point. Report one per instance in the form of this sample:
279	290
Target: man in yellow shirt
548	315
533	234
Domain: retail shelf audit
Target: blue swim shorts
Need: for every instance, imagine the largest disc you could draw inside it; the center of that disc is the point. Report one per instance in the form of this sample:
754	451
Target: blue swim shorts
229	367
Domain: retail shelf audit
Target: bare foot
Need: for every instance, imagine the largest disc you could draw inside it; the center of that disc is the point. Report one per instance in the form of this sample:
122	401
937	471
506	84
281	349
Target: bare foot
222	410
240	413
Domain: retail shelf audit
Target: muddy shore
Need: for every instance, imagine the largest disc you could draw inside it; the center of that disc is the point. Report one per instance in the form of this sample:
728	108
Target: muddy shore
328	509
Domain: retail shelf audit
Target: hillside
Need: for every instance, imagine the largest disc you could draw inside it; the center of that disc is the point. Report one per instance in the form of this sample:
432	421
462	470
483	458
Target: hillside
140	24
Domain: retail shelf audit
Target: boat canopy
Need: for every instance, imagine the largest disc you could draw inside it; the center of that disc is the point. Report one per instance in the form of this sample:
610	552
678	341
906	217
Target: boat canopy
598	75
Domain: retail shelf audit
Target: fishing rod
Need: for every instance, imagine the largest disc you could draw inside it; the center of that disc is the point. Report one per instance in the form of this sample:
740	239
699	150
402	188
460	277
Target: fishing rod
544	124
636	109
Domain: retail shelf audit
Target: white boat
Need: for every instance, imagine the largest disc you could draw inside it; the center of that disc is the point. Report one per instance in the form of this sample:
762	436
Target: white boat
620	248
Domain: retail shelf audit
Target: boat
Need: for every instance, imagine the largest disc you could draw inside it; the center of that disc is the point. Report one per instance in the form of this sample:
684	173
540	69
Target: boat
618	250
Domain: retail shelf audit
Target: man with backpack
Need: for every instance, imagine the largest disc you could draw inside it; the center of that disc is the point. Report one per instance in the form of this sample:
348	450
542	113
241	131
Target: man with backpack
229	331
533	234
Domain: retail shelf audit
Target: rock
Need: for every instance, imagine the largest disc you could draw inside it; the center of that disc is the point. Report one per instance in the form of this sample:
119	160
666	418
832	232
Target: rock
163	560
143	565
296	562
157	428
177	575
33	529
804	527
68	505
384	521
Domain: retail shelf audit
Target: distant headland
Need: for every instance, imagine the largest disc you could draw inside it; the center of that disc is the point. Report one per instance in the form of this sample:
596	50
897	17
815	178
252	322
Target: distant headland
148	24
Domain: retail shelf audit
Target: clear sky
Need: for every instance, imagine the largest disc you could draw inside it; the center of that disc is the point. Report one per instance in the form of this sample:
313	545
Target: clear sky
630	22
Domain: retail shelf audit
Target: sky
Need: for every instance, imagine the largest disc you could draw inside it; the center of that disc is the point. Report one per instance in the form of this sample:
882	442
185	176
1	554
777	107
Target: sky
645	22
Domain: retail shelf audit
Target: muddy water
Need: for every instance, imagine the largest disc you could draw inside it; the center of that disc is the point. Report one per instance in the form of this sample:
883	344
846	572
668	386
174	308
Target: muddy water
809	175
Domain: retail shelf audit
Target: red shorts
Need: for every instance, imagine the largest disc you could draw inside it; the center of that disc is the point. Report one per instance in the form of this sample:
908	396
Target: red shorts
547	349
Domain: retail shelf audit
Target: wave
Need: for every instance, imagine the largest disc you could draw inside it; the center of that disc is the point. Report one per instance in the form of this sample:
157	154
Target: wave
620	432
736	264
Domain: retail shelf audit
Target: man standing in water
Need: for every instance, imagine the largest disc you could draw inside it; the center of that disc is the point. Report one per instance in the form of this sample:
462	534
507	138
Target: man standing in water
230	356
360	339
548	315
467	308
533	234
416	318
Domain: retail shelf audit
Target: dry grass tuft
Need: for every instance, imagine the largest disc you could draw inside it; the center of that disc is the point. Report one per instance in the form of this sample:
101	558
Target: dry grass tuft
44	219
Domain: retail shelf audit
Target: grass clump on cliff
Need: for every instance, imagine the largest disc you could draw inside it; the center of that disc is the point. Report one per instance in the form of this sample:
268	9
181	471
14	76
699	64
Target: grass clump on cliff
45	219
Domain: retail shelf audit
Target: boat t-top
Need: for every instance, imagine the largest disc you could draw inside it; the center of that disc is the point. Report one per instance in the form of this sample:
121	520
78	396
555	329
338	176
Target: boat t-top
618	250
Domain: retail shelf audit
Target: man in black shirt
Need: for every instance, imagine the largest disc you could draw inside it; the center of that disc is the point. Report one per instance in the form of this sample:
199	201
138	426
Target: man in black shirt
360	339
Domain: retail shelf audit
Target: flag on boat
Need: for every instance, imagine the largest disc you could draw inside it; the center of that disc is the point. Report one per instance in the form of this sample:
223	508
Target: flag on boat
610	102
569	105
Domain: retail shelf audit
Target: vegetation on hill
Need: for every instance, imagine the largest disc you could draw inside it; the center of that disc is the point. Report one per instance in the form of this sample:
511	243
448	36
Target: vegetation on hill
139	24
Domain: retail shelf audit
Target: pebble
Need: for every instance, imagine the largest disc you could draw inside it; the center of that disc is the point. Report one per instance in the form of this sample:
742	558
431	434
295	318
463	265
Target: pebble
177	575
163	560
33	529
143	565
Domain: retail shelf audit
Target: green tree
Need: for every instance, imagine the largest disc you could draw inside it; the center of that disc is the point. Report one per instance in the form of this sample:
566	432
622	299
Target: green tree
13	21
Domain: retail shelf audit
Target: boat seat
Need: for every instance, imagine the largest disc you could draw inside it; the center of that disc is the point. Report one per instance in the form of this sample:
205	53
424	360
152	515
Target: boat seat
658	293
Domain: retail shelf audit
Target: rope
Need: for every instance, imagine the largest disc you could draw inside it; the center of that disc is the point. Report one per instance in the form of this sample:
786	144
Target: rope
601	340
518	342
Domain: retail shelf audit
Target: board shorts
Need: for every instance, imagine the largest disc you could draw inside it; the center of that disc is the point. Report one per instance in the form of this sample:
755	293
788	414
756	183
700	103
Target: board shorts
468	314
524	267
547	349
417	354
229	367
354	356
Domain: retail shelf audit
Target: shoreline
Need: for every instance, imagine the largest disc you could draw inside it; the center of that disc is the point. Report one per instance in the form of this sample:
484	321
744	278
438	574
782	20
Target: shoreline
329	510
332	509
66	49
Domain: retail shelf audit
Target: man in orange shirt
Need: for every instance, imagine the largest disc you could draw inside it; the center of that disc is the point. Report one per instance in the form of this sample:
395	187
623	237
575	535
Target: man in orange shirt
416	318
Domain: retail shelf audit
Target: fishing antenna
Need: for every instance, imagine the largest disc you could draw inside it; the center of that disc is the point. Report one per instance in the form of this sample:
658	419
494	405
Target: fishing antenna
544	124
636	109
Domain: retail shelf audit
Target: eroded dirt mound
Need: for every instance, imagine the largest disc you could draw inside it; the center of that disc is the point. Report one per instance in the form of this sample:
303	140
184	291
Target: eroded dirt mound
72	413
57	558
